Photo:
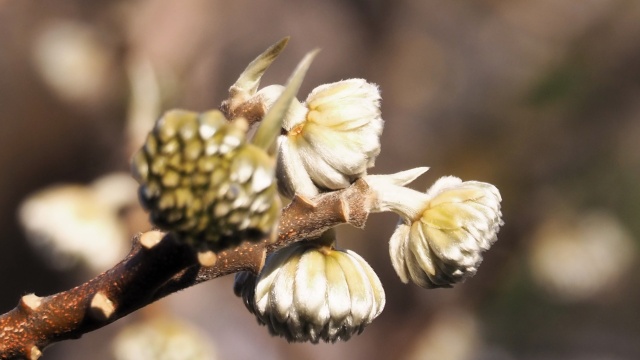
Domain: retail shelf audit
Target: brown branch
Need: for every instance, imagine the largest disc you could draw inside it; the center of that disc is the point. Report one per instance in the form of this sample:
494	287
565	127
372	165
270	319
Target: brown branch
157	266
302	219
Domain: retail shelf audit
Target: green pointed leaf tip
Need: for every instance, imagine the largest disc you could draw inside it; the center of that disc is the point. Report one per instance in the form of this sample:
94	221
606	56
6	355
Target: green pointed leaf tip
272	121
249	80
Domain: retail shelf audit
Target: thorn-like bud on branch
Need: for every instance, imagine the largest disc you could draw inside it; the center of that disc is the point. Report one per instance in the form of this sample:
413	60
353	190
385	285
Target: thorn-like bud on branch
30	302
310	291
151	238
307	202
34	353
202	180
101	307
207	258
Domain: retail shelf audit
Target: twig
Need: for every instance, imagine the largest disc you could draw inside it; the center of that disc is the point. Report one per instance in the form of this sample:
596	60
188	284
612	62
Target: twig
157	266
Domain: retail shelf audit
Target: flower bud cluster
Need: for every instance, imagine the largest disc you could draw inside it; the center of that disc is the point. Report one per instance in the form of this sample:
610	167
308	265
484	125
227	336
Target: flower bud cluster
200	179
442	232
329	140
311	292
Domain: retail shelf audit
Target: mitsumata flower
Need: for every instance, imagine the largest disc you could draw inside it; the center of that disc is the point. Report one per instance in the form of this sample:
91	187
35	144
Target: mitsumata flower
201	179
442	233
330	140
311	292
327	142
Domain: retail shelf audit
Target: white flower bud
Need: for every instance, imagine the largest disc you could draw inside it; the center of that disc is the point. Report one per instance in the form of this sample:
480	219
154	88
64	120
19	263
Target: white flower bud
577	257
443	232
310	292
72	223
331	139
162	338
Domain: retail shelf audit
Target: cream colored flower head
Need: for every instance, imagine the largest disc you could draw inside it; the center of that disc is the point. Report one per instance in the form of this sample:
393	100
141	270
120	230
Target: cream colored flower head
330	140
442	233
309	292
162	337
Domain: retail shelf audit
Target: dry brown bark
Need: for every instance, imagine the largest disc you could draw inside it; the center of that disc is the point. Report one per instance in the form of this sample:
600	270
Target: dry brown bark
157	266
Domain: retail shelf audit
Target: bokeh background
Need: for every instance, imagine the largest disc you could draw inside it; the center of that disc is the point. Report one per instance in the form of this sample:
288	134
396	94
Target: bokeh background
540	98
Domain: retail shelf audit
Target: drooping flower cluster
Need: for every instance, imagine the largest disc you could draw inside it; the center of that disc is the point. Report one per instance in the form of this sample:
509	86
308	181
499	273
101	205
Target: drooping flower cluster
310	291
331	139
442	232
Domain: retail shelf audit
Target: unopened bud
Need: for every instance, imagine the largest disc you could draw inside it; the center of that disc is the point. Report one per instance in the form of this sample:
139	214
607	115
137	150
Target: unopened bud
311	292
201	179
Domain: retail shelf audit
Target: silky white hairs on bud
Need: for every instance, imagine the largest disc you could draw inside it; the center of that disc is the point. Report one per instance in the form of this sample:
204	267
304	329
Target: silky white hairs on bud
444	246
309	292
442	232
331	139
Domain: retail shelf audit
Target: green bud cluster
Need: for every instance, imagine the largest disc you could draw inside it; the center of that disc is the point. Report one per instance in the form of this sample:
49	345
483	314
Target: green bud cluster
202	180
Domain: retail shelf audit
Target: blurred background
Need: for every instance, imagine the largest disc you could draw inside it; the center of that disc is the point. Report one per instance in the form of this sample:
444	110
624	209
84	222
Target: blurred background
540	98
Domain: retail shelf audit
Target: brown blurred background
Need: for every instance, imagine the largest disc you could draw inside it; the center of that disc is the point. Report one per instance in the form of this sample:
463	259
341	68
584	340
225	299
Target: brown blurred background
540	98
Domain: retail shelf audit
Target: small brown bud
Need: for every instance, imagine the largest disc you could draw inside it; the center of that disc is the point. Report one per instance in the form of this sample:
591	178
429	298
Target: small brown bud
207	258
150	239
34	353
101	307
30	302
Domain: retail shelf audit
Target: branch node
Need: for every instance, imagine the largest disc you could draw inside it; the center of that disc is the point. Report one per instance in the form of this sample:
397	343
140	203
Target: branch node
207	258
359	207
34	353
29	303
151	238
101	307
344	209
306	202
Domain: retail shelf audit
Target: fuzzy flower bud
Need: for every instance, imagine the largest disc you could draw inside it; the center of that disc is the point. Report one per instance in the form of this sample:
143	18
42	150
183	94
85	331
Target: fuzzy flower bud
330	140
310	292
201	179
443	232
165	338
